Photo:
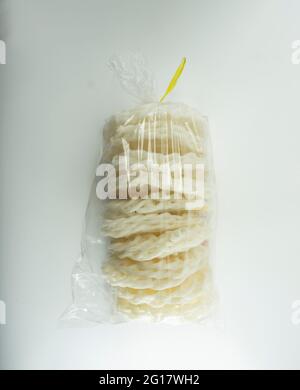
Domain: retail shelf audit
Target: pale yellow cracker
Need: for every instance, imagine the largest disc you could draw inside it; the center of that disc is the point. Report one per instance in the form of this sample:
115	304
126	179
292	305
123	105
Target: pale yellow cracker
159	273
176	139
172	113
116	207
190	289
139	223
148	246
197	309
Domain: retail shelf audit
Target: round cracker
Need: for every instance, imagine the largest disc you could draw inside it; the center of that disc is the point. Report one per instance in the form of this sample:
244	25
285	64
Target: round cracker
121	207
193	310
160	273
177	113
139	223
191	288
148	246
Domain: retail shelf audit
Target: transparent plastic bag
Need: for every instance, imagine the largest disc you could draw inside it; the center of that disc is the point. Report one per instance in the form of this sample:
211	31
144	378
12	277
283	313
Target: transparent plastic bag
146	246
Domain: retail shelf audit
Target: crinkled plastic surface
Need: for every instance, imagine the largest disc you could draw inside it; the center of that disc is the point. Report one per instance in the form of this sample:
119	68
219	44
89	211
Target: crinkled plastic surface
149	224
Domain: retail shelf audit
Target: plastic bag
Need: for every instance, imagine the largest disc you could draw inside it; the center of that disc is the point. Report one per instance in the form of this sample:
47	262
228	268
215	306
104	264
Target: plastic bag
146	246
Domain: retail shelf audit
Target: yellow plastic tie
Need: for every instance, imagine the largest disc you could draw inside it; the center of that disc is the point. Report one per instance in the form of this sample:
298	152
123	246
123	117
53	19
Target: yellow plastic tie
174	79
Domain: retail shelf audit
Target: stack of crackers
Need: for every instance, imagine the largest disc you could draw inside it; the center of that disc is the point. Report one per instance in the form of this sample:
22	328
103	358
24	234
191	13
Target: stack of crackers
158	260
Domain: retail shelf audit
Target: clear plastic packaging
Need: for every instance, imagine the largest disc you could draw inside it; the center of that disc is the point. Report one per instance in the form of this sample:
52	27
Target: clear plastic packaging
146	246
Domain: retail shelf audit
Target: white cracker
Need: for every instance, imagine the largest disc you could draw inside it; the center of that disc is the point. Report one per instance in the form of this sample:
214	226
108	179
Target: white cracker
160	273
197	309
118	207
149	246
173	139
139	223
176	112
146	158
155	129
139	183
137	168
190	289
170	140
140	162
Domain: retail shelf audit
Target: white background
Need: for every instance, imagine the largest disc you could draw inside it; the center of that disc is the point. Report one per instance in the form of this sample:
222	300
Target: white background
56	91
